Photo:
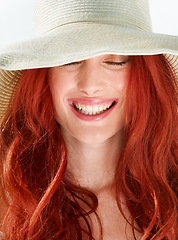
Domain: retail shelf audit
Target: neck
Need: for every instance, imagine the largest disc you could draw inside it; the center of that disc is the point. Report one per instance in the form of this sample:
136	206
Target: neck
93	164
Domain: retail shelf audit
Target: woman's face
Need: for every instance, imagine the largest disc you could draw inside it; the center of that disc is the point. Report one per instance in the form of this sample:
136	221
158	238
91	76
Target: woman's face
89	97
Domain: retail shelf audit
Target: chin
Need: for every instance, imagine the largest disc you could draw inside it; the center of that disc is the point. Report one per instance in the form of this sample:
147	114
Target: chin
96	137
91	139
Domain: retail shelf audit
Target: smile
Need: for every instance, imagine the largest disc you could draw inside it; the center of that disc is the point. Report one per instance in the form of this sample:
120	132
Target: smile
92	109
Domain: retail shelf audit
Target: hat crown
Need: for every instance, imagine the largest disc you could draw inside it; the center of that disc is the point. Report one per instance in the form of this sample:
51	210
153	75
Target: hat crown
50	14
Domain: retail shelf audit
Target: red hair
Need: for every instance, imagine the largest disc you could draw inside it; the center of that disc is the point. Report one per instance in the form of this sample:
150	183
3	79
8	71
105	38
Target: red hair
42	204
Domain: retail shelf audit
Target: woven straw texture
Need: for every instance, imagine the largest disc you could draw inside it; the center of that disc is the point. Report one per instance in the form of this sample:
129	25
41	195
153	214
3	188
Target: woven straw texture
74	30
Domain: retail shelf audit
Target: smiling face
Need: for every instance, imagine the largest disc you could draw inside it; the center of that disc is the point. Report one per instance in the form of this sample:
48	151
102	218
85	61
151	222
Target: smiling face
89	97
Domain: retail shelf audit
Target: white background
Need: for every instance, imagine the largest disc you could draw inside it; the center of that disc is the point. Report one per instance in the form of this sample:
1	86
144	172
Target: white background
16	19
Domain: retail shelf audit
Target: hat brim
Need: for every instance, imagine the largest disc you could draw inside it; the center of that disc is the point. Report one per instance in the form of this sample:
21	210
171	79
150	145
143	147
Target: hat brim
78	41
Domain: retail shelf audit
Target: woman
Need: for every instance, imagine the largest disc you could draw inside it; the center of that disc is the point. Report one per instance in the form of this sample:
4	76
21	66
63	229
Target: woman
88	129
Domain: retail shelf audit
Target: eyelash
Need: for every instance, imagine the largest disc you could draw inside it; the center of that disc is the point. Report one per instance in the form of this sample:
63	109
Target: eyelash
116	63
70	64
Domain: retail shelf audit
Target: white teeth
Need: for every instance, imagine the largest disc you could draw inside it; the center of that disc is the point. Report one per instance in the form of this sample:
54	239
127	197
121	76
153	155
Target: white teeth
84	108
78	106
89	109
95	109
105	107
92	109
100	109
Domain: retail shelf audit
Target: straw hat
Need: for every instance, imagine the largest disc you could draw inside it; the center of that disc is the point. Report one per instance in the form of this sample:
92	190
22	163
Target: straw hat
73	30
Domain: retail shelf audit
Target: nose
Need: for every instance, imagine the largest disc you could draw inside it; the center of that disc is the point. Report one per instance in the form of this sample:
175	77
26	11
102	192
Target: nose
91	79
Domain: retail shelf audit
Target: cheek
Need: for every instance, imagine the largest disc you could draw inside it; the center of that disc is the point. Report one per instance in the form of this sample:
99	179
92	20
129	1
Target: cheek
120	86
59	85
121	81
57	88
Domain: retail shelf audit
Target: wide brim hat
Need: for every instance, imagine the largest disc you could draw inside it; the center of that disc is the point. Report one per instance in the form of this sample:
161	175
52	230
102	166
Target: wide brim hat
74	30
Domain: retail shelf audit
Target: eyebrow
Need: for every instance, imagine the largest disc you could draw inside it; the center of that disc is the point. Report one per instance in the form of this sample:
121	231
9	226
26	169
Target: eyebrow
116	56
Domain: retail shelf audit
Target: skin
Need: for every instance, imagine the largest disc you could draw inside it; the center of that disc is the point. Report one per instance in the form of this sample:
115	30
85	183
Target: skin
94	146
91	140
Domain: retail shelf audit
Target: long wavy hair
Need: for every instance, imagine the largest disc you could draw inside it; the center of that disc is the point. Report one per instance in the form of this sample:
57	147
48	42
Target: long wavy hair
43	204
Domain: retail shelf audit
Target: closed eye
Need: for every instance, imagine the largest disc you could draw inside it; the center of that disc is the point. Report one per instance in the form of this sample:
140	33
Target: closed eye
116	63
70	64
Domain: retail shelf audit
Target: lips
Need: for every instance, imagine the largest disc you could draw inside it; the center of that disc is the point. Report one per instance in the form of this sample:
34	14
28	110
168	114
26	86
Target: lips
92	109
